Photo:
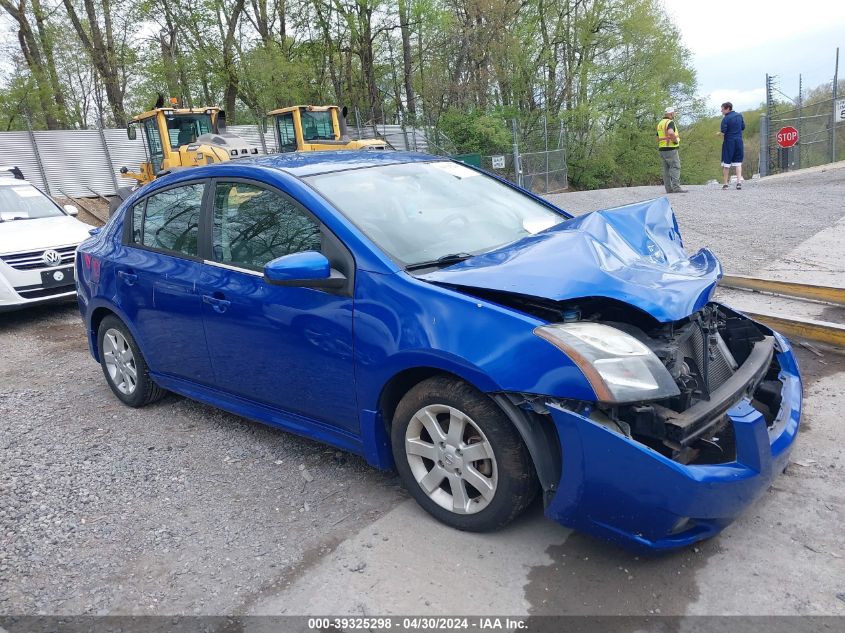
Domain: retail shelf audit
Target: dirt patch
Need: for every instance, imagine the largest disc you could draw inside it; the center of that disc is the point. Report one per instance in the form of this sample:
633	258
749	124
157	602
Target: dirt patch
817	361
834	314
44	316
93	211
64	336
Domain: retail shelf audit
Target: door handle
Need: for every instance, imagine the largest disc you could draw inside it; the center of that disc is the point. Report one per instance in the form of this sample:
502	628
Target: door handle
219	305
129	278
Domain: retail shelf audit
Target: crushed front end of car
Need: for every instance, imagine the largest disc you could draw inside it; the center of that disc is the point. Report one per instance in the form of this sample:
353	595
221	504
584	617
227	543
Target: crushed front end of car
695	406
660	474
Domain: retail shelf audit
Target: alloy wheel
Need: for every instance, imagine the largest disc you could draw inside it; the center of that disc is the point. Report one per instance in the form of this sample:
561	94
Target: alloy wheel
451	459
120	361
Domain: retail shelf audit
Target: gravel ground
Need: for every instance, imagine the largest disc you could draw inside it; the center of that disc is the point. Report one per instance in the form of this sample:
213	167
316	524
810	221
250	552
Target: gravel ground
182	508
176	508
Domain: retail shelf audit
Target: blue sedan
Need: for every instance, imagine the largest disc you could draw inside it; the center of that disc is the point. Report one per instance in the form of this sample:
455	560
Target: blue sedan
437	320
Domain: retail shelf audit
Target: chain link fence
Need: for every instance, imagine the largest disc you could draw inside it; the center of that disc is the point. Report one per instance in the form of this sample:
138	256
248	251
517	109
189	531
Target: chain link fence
797	133
821	138
541	169
544	172
540	172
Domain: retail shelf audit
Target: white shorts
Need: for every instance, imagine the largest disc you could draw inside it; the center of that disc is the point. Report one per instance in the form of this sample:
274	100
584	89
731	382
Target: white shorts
731	164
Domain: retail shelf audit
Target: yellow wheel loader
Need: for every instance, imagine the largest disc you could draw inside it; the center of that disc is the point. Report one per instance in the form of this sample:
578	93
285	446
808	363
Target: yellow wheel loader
179	138
314	129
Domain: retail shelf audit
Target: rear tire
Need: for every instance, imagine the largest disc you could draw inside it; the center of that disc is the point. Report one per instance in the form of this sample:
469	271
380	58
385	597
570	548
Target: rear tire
124	366
478	477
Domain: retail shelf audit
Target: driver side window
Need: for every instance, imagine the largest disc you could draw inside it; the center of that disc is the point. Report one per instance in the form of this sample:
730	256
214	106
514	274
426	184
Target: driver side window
253	226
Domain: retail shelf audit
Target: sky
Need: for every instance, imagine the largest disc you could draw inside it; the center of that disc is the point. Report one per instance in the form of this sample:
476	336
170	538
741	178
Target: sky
735	43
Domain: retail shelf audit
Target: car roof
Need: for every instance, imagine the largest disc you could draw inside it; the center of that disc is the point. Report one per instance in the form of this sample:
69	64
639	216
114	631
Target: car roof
301	164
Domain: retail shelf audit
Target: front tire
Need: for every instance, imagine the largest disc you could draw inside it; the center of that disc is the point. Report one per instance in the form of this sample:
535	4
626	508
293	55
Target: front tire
124	366
460	457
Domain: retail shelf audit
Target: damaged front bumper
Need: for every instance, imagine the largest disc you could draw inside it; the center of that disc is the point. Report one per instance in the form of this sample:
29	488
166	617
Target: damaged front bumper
621	490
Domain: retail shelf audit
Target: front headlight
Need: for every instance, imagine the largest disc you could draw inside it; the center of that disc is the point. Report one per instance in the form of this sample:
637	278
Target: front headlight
619	367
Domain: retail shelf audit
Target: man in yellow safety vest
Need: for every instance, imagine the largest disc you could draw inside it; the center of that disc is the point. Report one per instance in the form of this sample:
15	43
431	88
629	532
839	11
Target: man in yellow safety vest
668	142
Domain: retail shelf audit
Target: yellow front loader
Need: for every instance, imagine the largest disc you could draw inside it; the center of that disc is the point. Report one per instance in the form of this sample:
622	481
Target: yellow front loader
314	129
179	138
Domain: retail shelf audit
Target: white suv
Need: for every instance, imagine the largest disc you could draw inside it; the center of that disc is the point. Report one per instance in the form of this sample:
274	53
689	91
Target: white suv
38	241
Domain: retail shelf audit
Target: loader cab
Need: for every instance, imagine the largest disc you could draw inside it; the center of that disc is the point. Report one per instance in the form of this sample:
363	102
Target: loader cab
298	127
315	128
166	130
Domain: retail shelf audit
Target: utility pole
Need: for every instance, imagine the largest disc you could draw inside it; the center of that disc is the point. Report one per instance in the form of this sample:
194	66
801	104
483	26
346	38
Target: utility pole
769	111
800	128
833	113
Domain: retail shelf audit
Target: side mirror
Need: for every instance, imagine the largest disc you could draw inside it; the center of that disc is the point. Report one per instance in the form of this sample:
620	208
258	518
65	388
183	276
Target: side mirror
71	209
308	269
344	111
131	132
221	121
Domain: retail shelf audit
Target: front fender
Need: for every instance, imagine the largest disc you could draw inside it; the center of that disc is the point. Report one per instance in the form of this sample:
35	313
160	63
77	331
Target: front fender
418	324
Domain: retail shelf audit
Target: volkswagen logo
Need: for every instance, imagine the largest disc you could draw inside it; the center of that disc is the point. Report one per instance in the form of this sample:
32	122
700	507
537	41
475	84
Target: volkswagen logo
51	258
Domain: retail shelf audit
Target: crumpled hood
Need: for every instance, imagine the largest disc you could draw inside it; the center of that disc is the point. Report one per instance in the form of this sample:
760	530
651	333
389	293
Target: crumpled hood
633	254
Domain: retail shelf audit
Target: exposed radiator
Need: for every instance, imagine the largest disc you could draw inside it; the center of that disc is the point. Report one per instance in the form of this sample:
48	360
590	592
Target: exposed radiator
719	368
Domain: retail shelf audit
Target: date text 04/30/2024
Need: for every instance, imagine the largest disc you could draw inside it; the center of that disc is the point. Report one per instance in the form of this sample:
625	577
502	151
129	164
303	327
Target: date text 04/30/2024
426	623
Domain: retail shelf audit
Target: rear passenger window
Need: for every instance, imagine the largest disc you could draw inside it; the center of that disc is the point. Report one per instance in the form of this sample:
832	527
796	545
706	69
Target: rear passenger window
171	220
253	226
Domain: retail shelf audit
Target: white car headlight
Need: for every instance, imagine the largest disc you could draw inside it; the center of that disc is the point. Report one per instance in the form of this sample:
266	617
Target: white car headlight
619	368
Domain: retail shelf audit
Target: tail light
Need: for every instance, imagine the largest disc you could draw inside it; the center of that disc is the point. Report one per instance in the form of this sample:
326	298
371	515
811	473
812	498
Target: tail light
90	269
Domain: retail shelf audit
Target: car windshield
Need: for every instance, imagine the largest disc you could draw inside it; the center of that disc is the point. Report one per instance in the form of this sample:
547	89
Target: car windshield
424	212
25	202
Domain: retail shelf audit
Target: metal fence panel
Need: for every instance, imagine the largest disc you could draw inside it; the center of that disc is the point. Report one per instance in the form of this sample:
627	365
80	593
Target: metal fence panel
403	139
124	153
253	135
74	162
544	172
16	150
84	163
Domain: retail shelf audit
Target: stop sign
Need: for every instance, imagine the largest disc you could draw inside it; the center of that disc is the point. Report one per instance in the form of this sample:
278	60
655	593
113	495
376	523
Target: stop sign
787	136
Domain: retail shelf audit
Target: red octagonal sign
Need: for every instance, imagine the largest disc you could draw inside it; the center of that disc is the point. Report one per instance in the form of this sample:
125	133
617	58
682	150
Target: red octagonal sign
787	136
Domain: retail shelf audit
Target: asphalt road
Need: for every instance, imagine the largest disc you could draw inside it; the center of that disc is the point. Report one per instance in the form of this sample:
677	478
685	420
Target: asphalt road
748	229
180	508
